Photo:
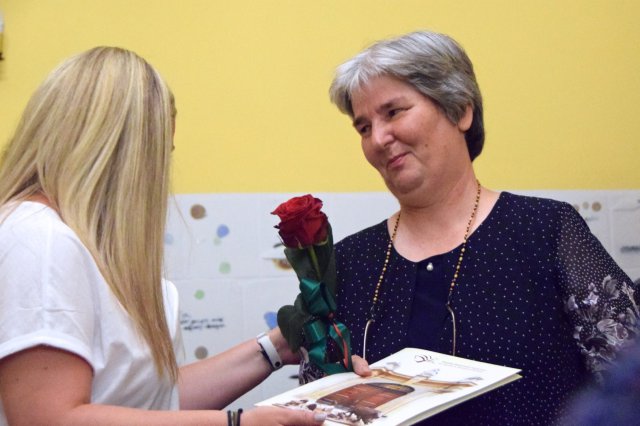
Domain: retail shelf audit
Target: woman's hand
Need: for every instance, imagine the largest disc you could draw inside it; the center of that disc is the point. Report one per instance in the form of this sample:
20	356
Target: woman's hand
274	416
360	365
282	347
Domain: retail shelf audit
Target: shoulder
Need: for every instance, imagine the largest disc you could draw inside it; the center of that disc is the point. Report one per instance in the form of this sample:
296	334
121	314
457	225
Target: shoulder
36	245
535	210
30	219
36	231
48	283
25	219
530	204
371	236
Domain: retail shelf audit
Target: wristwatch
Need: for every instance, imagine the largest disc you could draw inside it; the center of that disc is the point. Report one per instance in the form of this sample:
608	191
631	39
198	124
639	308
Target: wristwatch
269	351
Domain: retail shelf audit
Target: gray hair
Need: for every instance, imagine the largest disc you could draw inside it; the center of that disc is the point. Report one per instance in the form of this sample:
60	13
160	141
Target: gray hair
434	64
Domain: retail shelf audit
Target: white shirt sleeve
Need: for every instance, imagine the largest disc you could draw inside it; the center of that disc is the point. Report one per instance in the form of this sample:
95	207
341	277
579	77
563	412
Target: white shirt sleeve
45	293
52	293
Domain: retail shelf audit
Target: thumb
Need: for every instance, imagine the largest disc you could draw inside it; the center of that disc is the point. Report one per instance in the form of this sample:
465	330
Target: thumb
360	366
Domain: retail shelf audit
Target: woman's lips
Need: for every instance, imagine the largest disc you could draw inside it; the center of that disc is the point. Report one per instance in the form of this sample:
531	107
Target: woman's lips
396	160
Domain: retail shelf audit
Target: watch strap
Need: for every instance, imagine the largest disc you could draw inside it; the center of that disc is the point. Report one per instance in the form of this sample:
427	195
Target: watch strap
269	351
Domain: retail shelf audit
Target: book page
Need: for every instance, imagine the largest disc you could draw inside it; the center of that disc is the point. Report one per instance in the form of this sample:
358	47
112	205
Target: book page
405	387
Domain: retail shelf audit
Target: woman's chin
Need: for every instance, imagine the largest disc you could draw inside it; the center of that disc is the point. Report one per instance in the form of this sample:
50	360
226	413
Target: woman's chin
404	187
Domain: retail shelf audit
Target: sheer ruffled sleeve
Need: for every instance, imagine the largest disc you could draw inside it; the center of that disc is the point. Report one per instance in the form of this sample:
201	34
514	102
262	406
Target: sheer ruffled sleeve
308	372
599	297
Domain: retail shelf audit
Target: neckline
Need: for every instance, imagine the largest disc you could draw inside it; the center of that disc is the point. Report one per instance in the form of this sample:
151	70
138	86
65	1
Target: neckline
35	206
34	203
471	237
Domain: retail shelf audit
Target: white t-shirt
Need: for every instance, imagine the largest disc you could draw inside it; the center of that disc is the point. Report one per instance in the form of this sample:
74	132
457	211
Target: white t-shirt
52	293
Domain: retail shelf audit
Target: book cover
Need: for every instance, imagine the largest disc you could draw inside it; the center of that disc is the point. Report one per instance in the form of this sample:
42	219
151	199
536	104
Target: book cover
405	387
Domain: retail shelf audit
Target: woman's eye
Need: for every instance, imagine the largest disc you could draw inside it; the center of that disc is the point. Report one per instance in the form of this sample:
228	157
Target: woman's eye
363	129
393	112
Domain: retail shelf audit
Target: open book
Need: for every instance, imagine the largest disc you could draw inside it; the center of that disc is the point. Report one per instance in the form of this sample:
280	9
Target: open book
405	387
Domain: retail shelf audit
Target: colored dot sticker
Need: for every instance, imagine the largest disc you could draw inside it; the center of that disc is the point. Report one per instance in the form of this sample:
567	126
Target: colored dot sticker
225	267
201	352
199	294
223	231
596	206
271	318
198	211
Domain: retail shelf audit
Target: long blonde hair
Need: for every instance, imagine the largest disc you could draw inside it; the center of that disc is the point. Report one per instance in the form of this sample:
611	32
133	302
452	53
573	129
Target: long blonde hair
96	139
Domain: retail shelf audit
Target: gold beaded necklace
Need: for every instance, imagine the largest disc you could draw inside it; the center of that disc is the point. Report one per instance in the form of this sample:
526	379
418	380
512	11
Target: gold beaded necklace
376	291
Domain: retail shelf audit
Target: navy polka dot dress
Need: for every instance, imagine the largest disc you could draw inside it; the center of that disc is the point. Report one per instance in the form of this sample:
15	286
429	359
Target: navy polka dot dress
537	291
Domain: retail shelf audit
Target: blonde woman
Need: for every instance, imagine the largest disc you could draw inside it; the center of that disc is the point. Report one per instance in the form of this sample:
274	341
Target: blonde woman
88	327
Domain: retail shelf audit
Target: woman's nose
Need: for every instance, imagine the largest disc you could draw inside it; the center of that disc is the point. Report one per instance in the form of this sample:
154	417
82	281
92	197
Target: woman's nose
381	134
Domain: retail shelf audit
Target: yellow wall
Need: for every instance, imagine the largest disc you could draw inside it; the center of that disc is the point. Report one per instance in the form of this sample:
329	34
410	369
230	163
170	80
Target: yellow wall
561	81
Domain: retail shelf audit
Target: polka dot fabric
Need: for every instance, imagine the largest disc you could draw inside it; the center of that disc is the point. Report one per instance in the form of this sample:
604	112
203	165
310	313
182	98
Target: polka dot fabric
537	291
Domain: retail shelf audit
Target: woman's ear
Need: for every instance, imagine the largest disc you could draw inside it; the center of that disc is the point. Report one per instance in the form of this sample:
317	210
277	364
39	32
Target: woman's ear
465	121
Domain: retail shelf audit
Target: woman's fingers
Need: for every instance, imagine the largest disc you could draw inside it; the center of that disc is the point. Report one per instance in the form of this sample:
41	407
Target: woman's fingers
360	366
274	416
307	418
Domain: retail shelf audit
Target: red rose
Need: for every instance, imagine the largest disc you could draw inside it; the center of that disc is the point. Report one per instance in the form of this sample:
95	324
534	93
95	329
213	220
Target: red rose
302	223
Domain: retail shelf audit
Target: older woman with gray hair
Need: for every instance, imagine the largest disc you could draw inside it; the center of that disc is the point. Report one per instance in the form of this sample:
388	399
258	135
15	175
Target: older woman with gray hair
462	269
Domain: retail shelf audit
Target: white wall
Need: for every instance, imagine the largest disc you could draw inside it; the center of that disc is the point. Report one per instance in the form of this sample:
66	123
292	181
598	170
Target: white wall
221	253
